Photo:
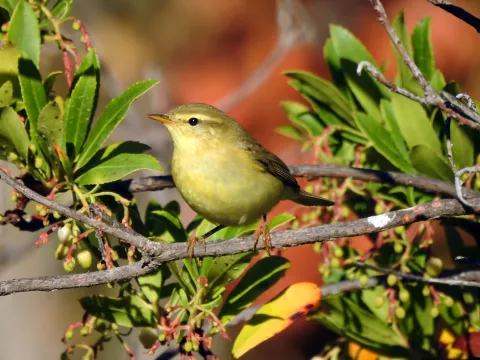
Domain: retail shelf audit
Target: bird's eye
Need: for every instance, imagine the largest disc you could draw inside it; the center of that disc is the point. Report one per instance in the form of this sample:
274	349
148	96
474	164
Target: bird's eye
193	121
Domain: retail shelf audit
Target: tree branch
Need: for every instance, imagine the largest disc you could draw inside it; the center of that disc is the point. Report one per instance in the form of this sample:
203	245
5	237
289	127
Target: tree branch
458	12
154	183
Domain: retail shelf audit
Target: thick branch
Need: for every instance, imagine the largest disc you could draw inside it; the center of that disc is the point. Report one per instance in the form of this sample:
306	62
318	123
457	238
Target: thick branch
458	12
311	172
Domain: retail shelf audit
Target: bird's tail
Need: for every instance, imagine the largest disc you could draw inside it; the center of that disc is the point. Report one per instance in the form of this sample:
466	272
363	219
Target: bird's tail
307	199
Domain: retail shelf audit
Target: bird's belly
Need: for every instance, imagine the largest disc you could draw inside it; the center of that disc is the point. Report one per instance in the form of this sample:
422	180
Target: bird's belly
230	192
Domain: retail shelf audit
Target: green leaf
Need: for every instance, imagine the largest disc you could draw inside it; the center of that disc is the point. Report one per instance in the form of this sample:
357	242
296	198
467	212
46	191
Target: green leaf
422	48
79	111
438	81
279	220
50	81
427	162
13	129
301	116
117	167
393	128
60	10
129	310
369	297
290	132
462	145
325	92
383	142
164	226
8	5
348	47
6	94
225	269
414	124
24	32
50	127
110	118
151	285
404	74
33	92
365	89
258	279
454	317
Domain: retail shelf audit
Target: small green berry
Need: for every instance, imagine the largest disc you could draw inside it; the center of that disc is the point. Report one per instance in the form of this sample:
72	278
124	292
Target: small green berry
364	280
188	346
404	296
114	255
379	208
64	233
101	265
68	334
345	211
317	247
338	252
195	346
434	312
56	215
14	197
162	337
468	298
398	248
434	266
12	156
38	162
76	25
391	280
400	313
82	39
426	291
448	301
69	265
32	148
84	258
335	263
84	331
60	252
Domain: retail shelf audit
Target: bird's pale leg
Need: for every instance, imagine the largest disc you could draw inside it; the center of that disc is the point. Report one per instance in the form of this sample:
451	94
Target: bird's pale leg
265	233
194	239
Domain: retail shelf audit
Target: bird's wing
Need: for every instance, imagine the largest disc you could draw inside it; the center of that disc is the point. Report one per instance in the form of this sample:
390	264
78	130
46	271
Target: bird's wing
272	164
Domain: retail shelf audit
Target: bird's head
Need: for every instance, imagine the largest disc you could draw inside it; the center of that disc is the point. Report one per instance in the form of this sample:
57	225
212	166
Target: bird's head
197	123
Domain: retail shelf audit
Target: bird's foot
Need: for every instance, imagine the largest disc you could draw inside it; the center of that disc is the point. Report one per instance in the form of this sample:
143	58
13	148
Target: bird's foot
265	234
191	244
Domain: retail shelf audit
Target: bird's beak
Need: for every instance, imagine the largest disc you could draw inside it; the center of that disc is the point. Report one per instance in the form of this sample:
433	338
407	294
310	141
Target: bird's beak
164	118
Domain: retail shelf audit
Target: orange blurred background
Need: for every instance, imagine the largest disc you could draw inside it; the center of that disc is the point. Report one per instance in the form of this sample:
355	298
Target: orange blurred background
204	51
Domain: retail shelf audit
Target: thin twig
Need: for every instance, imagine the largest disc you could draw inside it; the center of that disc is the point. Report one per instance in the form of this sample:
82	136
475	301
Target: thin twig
458	12
457	280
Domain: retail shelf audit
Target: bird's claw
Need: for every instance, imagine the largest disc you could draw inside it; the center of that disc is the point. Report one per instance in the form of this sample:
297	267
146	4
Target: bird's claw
265	234
192	242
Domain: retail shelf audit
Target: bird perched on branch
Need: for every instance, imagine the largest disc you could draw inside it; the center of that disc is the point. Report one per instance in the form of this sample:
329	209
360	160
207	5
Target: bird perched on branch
224	174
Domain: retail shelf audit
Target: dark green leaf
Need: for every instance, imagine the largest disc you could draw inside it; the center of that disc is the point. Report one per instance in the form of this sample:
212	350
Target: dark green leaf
12	128
151	285
23	31
427	162
414	124
325	92
50	127
225	269
301	116
129	310
6	94
422	48
462	145
165	227
110	118
117	167
33	92
383	142
454	317
258	279
6	147
404	74
393	128
79	112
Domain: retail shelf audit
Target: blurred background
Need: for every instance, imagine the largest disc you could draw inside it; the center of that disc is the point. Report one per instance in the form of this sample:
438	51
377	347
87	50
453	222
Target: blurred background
230	54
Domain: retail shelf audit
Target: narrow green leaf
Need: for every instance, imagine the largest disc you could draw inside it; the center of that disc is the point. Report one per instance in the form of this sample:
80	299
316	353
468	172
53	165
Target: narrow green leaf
365	89
393	128
118	167
422	48
8	5
129	310
79	112
110	118
325	92
257	280
50	81
165	227
429	163
279	220
12	128
348	47
290	132
404	74
225	269
438	81
414	124
24	32
383	142
9	56
33	92
6	94
462	145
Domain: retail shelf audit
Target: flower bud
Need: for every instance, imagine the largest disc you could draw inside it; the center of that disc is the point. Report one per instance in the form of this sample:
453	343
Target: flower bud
76	25
338	252
364	280
38	162
12	156
400	313
188	346
64	233
398	248
84	258
404	296
434	266
69	265
391	280
68	334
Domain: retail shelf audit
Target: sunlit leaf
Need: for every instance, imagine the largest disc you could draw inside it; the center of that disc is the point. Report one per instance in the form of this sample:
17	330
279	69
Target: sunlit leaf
422	48
427	162
12	128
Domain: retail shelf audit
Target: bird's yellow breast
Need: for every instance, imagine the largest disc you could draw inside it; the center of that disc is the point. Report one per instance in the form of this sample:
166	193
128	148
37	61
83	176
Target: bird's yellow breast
223	183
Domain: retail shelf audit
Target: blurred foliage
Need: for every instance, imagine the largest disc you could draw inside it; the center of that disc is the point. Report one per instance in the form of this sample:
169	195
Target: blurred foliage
352	120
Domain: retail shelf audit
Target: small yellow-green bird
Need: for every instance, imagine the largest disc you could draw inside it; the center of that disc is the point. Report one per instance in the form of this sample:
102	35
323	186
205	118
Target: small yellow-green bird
224	174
